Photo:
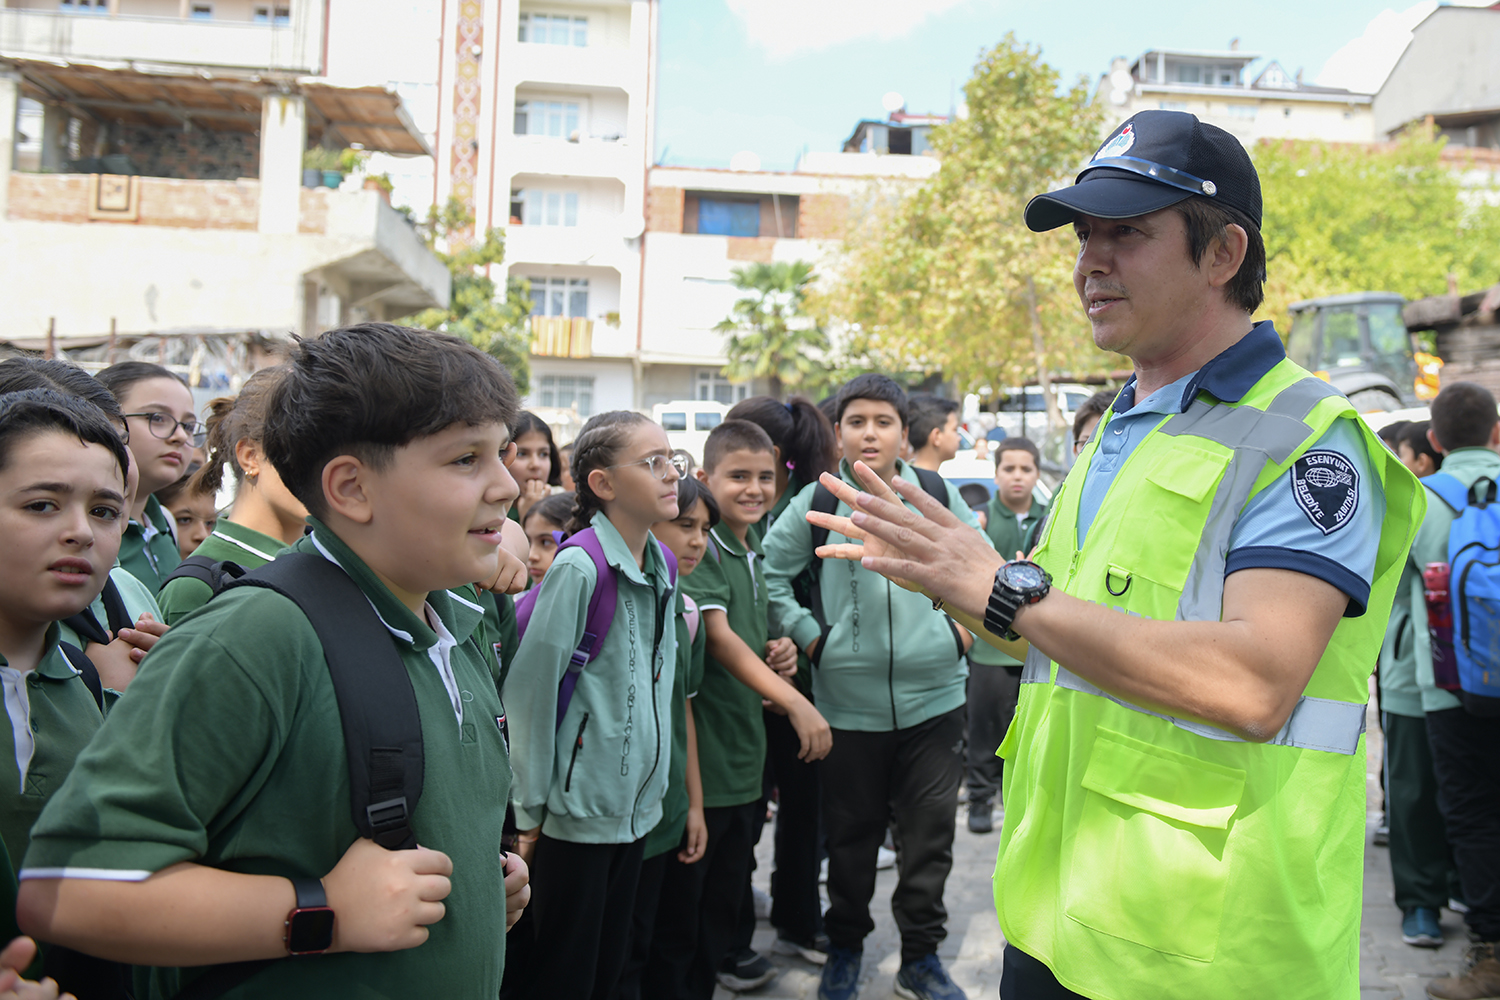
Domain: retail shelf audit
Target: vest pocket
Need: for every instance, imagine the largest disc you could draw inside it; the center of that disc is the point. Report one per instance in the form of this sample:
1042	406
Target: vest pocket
1164	518
1149	862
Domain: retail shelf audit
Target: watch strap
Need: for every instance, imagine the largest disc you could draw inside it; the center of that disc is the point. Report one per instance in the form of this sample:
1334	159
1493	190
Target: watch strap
1001	610
310	894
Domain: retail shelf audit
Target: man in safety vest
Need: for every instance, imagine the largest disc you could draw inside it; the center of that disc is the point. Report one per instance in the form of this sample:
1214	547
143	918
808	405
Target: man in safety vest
1185	776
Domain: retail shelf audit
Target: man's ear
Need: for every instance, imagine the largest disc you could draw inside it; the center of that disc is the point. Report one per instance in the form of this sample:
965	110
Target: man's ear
1226	254
601	484
345	489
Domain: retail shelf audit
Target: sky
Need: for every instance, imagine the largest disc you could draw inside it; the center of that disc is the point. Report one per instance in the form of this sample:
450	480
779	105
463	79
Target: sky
775	77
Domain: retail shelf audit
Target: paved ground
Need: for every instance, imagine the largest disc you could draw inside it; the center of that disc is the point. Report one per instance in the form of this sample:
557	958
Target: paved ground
1388	968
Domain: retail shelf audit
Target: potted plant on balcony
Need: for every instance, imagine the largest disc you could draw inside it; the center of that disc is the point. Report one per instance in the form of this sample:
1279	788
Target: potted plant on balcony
317	163
381	183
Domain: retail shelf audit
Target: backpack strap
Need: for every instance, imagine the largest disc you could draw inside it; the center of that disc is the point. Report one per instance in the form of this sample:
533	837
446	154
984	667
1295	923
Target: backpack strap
115	612
601	615
933	484
377	705
824	502
692	616
1449	489
86	670
216	573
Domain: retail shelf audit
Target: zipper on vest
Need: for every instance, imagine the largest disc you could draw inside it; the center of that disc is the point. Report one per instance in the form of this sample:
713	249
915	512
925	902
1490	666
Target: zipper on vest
577	746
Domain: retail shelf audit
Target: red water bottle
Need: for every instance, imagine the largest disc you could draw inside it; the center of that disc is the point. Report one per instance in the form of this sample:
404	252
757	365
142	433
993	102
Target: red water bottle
1440	625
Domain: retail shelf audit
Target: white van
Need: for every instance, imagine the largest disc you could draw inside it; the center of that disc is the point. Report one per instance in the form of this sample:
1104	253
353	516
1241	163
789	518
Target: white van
687	423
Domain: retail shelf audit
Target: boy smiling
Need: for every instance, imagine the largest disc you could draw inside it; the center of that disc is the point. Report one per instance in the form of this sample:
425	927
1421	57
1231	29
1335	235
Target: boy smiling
176	844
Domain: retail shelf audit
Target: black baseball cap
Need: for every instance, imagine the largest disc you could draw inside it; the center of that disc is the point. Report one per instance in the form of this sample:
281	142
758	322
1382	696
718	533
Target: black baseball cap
1152	161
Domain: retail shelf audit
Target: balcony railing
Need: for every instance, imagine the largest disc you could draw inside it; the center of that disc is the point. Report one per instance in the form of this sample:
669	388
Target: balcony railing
561	337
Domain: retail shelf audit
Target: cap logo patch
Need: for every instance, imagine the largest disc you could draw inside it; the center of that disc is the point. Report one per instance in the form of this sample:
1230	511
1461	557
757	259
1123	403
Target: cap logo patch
1325	485
1118	145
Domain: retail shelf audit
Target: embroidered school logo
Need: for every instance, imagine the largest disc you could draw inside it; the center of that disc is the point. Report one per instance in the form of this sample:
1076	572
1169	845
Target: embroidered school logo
1325	485
1118	145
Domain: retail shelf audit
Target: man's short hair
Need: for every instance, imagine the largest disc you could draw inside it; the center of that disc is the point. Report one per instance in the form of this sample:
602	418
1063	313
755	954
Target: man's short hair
926	413
368	389
1206	222
1463	416
1414	436
35	411
1391	432
1019	444
880	388
734	435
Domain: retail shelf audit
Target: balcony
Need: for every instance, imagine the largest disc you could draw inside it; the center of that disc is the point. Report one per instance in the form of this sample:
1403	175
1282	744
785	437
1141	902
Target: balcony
590	66
596	242
560	337
589	157
168	41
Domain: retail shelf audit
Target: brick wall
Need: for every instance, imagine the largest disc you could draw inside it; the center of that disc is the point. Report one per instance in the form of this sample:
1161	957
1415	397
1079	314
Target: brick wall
163	202
197	155
664	210
823	216
751	248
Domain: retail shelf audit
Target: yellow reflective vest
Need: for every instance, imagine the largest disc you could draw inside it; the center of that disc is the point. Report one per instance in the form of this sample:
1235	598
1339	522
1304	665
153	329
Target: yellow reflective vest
1144	856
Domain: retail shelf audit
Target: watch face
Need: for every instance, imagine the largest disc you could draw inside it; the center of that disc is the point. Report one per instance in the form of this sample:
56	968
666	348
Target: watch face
1023	576
311	930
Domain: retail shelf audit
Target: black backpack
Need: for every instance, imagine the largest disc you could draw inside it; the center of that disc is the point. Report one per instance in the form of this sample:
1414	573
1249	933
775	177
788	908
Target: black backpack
807	588
377	707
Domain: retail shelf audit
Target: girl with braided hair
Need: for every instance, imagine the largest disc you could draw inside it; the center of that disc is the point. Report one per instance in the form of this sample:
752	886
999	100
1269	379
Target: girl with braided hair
591	767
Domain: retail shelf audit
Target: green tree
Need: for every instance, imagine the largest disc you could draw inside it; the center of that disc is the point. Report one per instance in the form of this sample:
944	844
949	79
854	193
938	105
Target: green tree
948	278
771	335
1394	218
498	325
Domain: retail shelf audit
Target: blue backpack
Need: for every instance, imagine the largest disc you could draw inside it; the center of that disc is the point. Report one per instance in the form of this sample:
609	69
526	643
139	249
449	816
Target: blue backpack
1474	588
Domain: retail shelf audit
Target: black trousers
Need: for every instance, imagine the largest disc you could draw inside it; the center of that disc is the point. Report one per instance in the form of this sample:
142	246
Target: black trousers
1466	760
643	925
993	692
796	910
582	902
907	779
1024	978
1421	861
699	909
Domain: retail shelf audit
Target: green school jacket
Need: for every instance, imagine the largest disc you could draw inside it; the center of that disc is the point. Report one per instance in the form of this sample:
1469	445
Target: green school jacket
674	807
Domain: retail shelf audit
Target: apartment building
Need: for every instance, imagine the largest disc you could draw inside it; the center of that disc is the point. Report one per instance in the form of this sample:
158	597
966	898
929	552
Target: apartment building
545	129
151	176
1220	87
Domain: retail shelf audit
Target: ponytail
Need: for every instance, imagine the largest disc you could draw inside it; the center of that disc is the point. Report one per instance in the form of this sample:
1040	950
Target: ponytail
597	446
797	427
232	419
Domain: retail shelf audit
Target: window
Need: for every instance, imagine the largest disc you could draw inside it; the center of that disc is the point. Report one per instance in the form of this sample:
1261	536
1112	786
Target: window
1226	78
551	118
560	297
713	385
272	15
201	12
1189	73
1172	105
546	208
1241	110
706	421
83	6
728	218
674	421
554	29
564	391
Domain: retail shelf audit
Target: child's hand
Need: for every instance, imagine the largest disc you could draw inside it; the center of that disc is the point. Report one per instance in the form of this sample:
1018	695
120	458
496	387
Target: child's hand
812	729
517	888
141	638
514	548
114	662
781	656
697	838
18	955
531	491
383	900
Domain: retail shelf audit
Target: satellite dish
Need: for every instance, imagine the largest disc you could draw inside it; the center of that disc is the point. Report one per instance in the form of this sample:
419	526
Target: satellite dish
632	226
1118	97
744	161
892	102
1121	79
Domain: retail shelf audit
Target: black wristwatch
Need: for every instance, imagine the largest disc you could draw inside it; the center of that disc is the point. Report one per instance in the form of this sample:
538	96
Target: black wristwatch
309	927
1017	584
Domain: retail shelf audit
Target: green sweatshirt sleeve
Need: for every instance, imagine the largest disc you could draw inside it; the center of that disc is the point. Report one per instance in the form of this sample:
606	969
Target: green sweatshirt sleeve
788	551
530	694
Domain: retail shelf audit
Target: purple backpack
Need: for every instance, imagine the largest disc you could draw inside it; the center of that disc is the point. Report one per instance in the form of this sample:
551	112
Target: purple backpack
601	609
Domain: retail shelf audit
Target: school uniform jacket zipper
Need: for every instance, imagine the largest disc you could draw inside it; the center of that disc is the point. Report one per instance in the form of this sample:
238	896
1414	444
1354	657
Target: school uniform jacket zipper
577	746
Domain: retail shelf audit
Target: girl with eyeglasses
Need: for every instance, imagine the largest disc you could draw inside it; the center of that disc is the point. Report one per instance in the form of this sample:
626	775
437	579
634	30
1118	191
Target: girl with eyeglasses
590	779
162	432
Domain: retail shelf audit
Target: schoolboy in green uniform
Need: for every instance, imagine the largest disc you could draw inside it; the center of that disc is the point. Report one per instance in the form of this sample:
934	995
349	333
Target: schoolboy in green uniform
730	588
173	843
1013	516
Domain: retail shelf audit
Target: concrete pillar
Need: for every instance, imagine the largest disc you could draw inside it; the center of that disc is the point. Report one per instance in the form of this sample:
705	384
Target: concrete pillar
283	136
10	94
54	157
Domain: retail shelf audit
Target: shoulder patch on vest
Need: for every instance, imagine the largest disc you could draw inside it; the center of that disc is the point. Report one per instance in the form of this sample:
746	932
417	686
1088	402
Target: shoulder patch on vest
1325	485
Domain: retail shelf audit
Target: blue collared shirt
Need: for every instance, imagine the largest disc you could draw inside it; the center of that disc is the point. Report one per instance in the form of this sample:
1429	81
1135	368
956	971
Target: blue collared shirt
1273	531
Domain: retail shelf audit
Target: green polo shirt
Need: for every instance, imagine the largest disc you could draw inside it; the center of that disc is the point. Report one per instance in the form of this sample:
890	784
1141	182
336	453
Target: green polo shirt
251	776
62	717
152	561
731	734
229	542
674	806
502	636
1008	531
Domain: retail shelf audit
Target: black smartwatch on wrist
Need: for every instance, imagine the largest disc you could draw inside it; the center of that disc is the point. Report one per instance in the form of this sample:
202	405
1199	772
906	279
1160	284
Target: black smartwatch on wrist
309	927
1017	584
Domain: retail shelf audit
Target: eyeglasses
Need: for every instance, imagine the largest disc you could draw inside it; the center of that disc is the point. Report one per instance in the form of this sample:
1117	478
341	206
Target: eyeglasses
164	425
658	464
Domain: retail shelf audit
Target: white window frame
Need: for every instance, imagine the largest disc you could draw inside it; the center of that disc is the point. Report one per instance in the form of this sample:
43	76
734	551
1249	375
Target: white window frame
579	389
553	209
708	381
559	296
541	107
575	29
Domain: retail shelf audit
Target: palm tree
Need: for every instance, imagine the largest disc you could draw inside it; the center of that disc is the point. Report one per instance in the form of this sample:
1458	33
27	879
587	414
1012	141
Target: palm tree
770	336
